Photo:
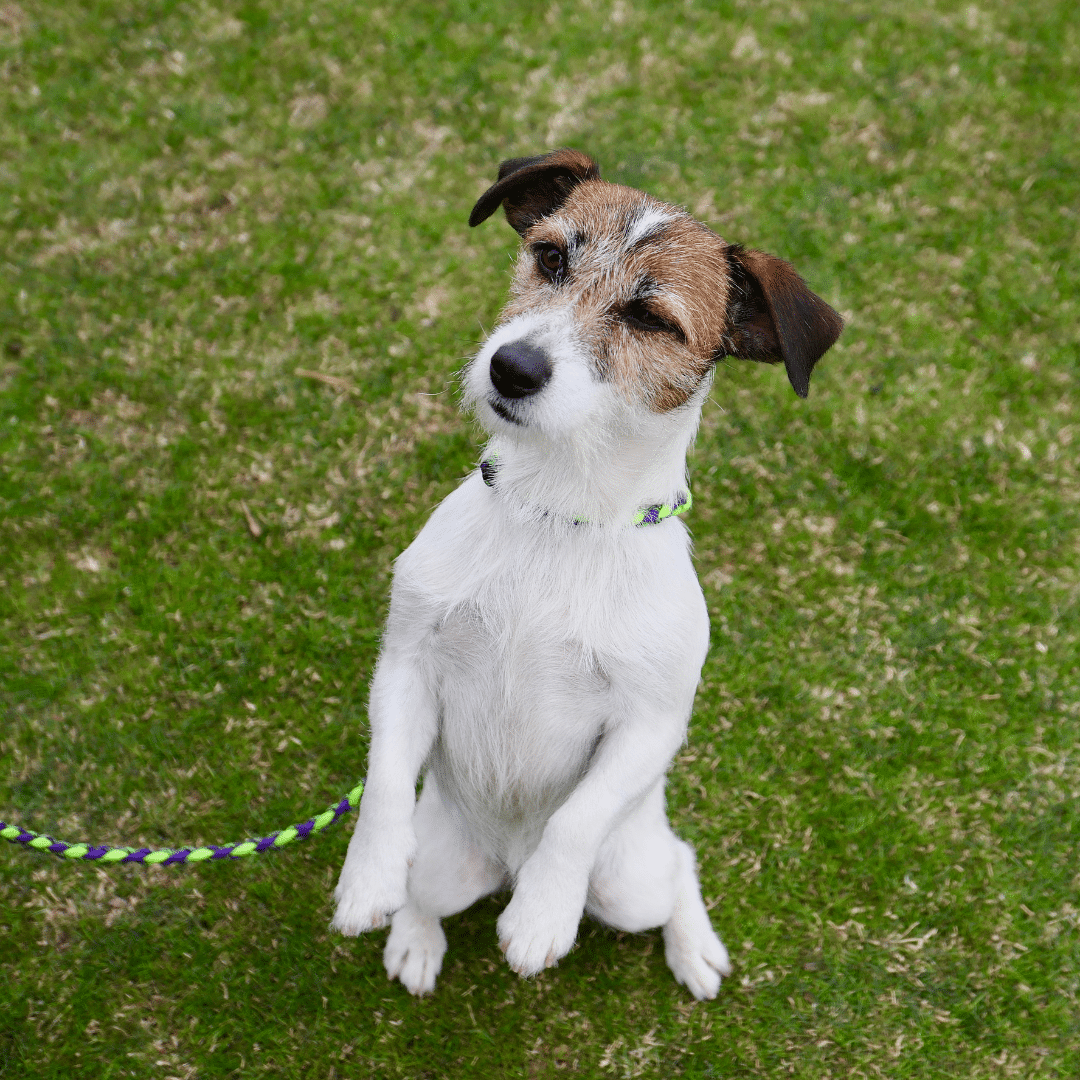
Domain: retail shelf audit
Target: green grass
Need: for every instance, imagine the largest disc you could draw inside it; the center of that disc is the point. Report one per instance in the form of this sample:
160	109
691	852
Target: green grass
882	775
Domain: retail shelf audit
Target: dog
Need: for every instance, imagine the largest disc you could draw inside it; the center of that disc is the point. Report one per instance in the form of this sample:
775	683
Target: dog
547	629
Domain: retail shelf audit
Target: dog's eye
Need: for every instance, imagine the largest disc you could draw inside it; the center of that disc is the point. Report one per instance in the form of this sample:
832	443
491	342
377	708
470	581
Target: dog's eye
551	260
639	315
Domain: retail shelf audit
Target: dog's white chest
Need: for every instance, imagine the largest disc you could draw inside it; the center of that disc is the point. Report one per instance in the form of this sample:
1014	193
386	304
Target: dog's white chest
520	709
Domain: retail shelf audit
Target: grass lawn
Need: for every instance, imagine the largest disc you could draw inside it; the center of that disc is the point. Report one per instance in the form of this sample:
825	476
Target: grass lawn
882	777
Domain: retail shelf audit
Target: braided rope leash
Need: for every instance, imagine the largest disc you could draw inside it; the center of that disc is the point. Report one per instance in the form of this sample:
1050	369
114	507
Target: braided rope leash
166	856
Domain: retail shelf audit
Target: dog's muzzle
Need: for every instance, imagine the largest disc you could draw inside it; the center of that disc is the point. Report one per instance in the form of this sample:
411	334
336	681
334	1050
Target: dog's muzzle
519	370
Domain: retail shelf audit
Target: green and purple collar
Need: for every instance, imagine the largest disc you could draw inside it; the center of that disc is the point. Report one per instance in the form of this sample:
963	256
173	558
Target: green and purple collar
647	515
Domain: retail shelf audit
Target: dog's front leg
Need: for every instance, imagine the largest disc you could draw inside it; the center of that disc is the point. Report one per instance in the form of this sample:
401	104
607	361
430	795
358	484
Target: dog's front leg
540	923
404	723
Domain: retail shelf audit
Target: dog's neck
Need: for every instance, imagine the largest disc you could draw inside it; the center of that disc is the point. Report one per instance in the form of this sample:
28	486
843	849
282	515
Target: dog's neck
605	483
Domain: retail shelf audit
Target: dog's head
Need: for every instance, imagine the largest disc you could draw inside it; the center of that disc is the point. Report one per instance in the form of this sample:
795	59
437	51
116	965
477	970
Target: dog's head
620	297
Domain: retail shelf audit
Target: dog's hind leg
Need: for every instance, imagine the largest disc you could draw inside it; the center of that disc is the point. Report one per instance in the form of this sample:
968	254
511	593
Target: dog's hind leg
448	874
645	877
694	953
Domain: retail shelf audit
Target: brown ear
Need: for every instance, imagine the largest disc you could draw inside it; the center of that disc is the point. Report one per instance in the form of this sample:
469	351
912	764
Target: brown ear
531	188
773	316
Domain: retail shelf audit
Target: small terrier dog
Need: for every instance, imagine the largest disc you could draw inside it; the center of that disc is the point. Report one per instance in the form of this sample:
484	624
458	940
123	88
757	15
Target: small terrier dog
546	629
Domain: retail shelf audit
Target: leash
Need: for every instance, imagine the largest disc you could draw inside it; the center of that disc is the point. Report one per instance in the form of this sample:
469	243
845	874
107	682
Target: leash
171	856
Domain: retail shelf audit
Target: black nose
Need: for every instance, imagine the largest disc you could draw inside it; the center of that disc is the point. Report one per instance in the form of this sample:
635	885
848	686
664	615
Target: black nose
519	369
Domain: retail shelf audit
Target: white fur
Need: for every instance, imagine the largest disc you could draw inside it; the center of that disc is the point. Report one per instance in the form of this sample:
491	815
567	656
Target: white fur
649	221
541	673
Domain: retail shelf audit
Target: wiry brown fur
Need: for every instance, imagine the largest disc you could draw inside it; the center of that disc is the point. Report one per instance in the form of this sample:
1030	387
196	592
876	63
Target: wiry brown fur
679	271
715	299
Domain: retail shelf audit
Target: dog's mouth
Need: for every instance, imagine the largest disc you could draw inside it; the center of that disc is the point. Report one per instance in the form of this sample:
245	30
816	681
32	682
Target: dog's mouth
500	409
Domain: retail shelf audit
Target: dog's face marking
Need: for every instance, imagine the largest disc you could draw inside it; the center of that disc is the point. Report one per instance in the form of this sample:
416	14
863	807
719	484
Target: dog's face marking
644	285
650	222
637	294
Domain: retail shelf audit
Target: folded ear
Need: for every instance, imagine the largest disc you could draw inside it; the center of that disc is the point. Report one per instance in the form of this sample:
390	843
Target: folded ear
531	188
772	315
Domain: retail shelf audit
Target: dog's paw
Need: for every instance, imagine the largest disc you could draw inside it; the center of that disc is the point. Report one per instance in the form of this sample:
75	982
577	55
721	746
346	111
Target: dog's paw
372	886
360	909
414	951
697	959
536	931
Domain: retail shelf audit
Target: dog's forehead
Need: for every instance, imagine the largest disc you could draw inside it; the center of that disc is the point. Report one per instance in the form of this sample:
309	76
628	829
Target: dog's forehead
627	225
599	209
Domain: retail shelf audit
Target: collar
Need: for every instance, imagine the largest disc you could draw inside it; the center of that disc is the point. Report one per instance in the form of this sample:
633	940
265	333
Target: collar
647	515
